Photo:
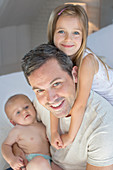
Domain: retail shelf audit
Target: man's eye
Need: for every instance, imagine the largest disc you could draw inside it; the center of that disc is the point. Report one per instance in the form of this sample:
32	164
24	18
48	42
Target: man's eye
40	91
61	31
56	84
26	107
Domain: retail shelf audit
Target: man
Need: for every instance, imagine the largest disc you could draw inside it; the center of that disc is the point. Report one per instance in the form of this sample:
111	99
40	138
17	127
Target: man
53	78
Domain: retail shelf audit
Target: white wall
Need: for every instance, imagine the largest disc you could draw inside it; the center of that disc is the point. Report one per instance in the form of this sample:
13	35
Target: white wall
101	42
15	41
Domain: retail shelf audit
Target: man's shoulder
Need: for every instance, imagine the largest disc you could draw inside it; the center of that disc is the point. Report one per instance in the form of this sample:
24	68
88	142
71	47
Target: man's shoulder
98	99
98	106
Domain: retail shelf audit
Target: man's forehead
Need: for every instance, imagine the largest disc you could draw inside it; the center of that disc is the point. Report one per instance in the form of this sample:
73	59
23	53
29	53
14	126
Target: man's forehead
49	67
47	74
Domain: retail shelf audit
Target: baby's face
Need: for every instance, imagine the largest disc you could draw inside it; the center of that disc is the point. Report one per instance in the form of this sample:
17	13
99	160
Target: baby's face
21	111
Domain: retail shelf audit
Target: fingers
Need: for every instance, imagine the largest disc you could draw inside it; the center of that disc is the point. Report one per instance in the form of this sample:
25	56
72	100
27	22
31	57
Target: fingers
56	141
59	144
25	161
23	168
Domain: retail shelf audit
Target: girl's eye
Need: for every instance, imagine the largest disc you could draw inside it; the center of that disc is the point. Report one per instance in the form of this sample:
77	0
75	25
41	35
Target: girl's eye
26	107
76	33
61	31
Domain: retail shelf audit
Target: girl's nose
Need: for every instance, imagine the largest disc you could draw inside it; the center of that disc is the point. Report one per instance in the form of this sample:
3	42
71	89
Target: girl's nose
68	37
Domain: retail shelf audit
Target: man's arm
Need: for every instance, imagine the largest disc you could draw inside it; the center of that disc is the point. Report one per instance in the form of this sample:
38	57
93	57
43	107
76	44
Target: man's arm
91	167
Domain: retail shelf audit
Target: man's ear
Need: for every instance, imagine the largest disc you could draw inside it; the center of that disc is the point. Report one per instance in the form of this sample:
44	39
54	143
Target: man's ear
75	73
12	122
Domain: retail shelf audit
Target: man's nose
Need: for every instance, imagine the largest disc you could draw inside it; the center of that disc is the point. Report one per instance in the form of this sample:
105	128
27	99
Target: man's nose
51	95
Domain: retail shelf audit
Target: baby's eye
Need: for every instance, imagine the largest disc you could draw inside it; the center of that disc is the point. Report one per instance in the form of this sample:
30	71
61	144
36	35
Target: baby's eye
26	107
61	31
18	112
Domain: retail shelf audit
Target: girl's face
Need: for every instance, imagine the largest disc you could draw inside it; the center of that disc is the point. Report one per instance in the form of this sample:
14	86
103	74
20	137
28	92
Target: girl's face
68	34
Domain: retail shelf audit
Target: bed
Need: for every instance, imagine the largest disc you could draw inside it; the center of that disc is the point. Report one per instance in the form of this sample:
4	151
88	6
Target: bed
101	42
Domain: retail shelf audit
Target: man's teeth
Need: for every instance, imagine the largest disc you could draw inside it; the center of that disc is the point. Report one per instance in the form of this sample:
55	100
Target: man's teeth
56	105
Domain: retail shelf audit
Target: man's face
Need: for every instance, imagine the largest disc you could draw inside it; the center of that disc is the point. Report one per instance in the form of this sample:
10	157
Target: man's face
54	88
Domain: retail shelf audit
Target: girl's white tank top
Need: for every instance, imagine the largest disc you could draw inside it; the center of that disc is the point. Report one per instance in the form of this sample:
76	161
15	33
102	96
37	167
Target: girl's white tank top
101	84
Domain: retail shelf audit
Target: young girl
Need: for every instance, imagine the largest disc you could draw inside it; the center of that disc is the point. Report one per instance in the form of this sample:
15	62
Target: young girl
68	30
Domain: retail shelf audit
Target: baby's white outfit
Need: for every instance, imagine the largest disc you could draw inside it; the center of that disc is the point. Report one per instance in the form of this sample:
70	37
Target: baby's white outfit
101	84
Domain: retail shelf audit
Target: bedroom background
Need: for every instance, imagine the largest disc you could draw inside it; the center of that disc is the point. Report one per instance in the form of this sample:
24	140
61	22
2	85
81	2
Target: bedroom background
23	25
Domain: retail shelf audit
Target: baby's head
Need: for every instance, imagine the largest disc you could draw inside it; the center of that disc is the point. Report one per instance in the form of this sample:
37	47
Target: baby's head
68	10
20	110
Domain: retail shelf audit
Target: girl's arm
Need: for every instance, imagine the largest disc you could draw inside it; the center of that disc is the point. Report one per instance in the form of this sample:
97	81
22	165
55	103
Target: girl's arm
88	69
91	167
55	137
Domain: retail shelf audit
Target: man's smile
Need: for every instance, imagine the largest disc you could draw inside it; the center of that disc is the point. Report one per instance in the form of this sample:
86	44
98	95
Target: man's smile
57	106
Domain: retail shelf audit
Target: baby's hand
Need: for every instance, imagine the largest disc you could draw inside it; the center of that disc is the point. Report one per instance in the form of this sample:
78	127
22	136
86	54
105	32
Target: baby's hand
56	140
66	140
17	163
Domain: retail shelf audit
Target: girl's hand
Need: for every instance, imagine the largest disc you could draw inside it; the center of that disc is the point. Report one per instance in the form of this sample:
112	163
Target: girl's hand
56	140
66	140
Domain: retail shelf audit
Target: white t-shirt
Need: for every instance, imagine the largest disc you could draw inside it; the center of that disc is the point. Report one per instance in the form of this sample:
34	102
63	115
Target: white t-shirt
94	141
101	84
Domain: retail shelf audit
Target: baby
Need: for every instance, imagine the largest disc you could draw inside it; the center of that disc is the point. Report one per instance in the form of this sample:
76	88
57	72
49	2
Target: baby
28	133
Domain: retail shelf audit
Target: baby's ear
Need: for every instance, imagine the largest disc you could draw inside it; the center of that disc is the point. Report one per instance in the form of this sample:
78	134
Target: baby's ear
12	122
75	73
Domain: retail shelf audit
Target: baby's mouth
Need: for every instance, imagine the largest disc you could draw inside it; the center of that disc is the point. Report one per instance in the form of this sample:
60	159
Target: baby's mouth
27	116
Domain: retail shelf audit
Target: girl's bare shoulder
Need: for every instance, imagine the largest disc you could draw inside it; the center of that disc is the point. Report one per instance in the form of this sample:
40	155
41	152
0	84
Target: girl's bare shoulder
91	62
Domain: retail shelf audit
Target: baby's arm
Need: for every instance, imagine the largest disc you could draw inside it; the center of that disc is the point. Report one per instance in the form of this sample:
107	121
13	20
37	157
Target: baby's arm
55	137
17	151
86	75
14	161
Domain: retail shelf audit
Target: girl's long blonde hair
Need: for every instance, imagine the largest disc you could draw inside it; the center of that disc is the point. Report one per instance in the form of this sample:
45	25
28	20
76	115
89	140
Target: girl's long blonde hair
74	11
69	10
